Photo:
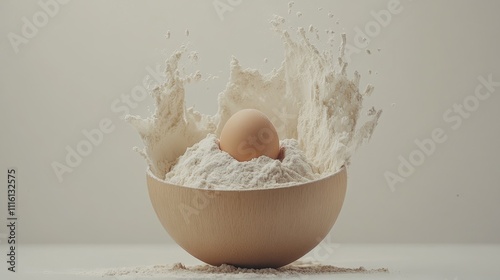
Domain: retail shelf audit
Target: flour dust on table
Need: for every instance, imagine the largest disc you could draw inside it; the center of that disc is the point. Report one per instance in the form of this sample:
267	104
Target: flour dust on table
180	271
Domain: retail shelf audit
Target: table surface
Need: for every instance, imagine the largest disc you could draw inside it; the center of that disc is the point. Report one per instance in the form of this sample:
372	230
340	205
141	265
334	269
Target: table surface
404	261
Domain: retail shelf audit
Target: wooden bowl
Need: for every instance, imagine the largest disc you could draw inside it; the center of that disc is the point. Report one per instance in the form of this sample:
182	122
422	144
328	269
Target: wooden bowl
249	228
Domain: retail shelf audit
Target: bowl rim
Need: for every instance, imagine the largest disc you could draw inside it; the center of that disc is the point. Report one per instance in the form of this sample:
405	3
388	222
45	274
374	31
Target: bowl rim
343	168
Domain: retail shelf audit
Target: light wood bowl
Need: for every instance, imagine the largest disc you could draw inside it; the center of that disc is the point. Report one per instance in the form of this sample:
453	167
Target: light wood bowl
249	228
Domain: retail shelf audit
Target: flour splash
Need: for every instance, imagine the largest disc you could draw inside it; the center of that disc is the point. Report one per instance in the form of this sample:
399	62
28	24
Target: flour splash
321	103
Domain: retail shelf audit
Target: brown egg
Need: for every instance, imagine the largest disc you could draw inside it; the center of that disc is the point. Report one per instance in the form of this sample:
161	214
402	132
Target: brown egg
249	134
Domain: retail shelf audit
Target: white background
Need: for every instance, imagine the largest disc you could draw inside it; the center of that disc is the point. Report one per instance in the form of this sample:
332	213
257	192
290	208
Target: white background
90	53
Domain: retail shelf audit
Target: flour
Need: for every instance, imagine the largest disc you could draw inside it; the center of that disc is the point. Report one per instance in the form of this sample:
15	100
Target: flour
204	165
297	269
309	98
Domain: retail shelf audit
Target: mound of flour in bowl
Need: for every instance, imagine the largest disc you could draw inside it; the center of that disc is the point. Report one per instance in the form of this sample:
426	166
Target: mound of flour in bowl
204	165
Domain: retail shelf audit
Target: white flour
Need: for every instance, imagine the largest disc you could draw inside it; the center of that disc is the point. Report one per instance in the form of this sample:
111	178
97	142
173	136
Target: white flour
309	98
205	166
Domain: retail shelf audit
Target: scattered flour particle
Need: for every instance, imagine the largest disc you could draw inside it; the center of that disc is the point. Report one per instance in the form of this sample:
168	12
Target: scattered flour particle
194	77
187	32
372	111
393	104
277	23
337	22
315	30
265	60
370	72
378	49
368	51
299	14
330	15
368	90
193	56
168	34
319	9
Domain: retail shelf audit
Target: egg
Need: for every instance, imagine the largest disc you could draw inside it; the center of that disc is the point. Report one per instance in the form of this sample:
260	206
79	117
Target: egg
249	134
